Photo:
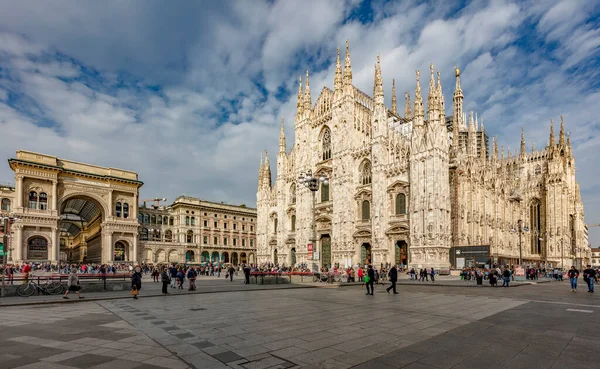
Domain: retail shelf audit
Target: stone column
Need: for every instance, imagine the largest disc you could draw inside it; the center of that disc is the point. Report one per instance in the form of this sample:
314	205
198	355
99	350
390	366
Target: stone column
54	256
18	244
54	195
134	259
107	246
110	204
134	207
19	191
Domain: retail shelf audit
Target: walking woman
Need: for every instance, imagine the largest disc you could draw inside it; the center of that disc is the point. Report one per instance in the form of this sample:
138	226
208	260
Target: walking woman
136	282
73	284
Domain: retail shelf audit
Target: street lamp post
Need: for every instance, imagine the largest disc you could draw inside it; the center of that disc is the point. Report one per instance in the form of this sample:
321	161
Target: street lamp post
520	229
312	183
562	261
7	221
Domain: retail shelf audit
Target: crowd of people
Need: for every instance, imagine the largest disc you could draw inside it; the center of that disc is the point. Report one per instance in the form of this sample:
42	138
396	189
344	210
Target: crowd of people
175	275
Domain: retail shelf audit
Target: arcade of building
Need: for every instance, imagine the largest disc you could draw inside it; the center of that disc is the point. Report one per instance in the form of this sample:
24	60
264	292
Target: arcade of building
75	212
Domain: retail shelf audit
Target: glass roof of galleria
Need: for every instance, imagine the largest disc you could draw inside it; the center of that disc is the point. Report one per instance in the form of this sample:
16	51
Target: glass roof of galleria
76	214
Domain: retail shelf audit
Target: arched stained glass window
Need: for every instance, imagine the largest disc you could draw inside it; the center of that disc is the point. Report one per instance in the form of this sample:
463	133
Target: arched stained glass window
400	204
365	173
326	144
324	192
366	210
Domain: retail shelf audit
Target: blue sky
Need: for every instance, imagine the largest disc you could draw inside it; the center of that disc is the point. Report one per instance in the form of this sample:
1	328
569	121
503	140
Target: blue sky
189	93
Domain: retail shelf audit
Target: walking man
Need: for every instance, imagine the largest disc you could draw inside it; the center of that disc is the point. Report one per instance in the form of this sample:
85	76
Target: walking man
393	274
589	275
505	277
246	274
371	275
573	275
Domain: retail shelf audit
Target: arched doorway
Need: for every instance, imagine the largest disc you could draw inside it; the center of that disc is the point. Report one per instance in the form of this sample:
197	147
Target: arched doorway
225	257
326	250
119	251
148	256
215	257
293	256
401	253
275	256
80	226
365	253
173	256
243	258
189	256
204	256
234	258
161	256
37	248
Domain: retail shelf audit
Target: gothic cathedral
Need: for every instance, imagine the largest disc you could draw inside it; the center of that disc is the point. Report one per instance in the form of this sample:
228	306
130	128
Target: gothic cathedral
413	189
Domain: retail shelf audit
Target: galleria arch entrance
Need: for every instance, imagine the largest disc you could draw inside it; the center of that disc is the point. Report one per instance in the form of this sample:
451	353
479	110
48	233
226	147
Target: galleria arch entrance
80	226
84	212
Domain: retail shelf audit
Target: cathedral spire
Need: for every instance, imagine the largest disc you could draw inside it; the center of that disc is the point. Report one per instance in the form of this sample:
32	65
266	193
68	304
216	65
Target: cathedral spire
561	136
347	67
267	171
394	102
552	139
407	107
502	157
494	148
337	82
300	97
569	144
471	122
378	89
419	112
523	149
441	99
483	146
532	146
457	115
282	137
307	97
431	96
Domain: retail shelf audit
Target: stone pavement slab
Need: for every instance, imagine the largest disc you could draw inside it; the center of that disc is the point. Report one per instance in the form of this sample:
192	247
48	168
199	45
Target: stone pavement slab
309	328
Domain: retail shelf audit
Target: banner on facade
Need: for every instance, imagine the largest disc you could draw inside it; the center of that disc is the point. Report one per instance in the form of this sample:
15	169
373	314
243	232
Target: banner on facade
310	251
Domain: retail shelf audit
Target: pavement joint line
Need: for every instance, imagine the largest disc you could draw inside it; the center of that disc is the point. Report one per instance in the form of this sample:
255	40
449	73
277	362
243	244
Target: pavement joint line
91	299
565	303
581	311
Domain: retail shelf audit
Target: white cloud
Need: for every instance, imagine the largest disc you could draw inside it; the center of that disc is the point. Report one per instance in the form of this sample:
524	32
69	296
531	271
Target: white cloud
164	77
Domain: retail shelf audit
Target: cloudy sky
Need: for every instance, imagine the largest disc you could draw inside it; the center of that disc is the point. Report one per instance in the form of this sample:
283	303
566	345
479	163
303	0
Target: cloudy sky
189	93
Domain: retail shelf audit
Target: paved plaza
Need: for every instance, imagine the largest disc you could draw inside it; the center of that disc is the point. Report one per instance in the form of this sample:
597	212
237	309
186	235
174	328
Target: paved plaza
422	327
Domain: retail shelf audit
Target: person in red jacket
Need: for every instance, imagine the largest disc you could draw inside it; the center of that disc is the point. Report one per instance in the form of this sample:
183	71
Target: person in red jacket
26	270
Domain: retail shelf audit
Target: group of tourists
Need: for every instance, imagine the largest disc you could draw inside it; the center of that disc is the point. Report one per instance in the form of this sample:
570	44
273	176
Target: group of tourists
590	277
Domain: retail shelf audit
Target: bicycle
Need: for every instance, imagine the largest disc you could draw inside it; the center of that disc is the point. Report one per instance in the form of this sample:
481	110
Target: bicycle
50	288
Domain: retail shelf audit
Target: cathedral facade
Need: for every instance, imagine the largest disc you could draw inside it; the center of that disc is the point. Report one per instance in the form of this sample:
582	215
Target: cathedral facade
416	189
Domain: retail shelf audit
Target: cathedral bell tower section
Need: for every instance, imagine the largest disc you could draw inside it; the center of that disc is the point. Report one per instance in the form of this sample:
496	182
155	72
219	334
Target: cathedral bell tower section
429	181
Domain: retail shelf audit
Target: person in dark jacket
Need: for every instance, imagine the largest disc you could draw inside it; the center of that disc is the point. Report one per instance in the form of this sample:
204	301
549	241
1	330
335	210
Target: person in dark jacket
165	279
230	272
371	274
589	276
393	274
136	280
573	275
247	274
